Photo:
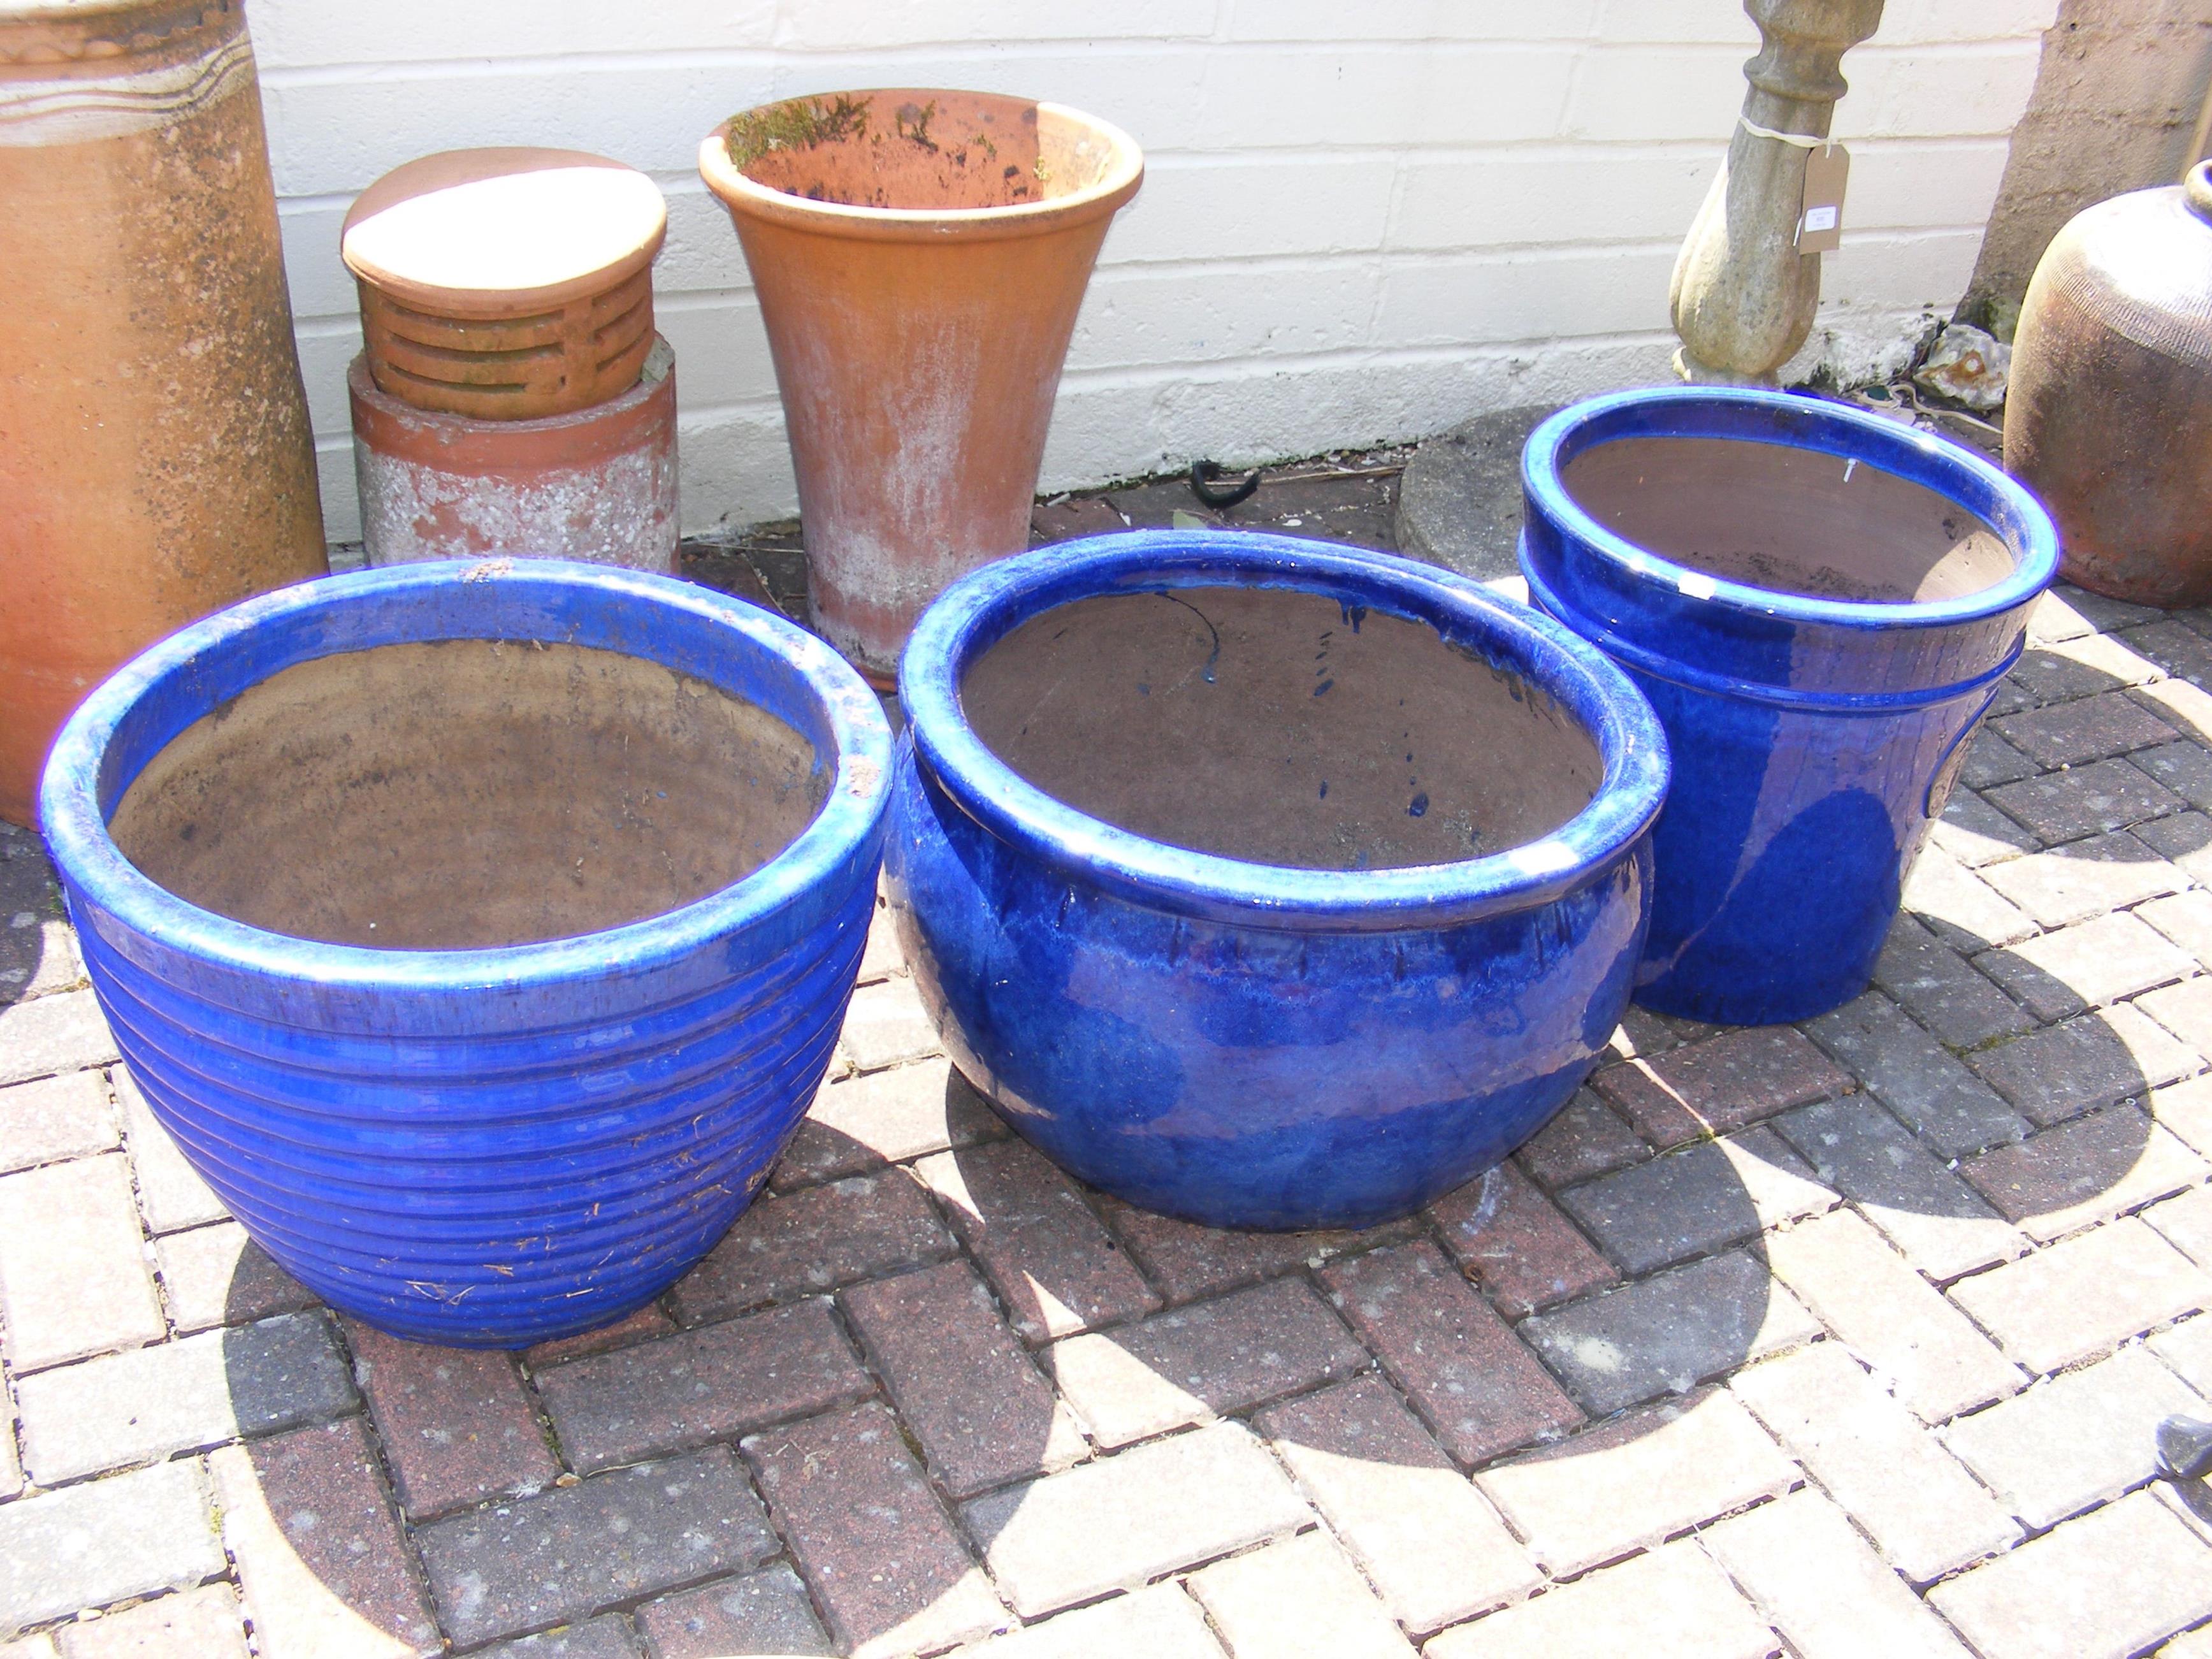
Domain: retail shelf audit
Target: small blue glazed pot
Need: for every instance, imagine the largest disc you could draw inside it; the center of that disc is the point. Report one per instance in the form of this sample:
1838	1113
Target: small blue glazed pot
1819	603
1246	1042
483	1146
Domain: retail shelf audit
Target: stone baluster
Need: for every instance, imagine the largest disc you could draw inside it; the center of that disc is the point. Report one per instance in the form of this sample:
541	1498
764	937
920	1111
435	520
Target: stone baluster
1742	296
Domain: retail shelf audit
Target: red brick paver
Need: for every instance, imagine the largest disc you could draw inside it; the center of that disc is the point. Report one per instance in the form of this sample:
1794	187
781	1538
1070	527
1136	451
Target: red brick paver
1854	1347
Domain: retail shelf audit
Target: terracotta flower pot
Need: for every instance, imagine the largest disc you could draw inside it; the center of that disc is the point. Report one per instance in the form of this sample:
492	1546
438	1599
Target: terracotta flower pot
2111	393
156	458
918	257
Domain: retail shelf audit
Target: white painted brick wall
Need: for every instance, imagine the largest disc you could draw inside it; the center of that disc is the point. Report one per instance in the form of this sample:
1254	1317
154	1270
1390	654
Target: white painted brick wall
1364	220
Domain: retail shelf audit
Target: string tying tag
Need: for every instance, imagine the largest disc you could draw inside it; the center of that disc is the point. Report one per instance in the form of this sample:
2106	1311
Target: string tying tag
1802	140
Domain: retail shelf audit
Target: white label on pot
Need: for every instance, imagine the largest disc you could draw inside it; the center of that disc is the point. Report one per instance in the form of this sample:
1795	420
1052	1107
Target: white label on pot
1696	585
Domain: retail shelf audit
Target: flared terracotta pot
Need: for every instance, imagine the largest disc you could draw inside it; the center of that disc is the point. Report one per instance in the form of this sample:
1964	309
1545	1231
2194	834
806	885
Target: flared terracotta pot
156	458
918	257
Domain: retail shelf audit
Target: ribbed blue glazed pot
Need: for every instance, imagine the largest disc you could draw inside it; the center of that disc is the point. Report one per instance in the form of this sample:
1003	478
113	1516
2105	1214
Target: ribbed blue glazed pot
484	1146
1815	735
1242	1043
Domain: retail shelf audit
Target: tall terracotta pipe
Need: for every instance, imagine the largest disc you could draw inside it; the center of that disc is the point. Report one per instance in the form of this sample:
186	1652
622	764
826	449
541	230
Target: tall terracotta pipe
156	458
920	256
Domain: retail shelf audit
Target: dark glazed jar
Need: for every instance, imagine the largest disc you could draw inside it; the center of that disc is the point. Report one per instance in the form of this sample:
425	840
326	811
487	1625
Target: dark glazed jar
2109	414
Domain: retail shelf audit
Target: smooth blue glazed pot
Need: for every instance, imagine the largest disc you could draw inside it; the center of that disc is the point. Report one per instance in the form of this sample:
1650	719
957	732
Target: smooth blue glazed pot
503	1144
1256	1041
1819	603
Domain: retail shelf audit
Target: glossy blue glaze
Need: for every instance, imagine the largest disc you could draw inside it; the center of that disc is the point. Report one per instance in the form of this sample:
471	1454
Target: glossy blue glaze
1242	1044
483	1147
1814	741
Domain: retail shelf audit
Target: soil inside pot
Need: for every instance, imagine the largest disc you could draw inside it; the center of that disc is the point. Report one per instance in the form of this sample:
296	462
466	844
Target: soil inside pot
466	793
1280	727
924	151
1786	519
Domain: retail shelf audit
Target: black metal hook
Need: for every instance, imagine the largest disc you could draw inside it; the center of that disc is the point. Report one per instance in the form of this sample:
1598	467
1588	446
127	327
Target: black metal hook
1202	475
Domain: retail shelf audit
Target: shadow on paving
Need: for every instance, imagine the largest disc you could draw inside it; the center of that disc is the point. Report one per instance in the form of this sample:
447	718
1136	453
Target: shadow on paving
1383	1368
1556	1331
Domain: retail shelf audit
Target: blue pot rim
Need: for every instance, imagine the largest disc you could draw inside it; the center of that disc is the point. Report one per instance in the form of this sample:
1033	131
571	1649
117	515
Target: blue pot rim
982	608
76	833
1791	420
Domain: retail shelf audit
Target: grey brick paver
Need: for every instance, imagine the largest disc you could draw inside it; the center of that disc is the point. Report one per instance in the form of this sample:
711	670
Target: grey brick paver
1055	1268
1917	1501
1427	1540
607	1637
1942	991
883	1557
785	1248
1975	833
2185	1222
1296	1598
1934	1220
216	1275
1202	1359
1160	1623
73	1280
1809	1571
454	1422
539	1561
2085	1295
196	1624
1958	907
860	1124
2091	1061
63	1032
87	1546
1481	1390
2185	768
1586	1139
2070	733
2183	918
2185	1109
961	1381
764	1612
2105	872
1934	1358
1186	1261
2104	1586
56	1117
2060	974
1122	1521
2076	1440
2185	839
2065	807
2184	1009
1991	759
1719	1084
1668	1333
1630	1483
1697	1200
1503	1230
886	1024
170	1191
1672	1603
715	1383
320	1556
2084	1171
2061	672
1955	1111
181	1397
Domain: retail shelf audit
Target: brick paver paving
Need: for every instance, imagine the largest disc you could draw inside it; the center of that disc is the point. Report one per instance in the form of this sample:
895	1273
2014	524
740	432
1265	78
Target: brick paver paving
1843	1339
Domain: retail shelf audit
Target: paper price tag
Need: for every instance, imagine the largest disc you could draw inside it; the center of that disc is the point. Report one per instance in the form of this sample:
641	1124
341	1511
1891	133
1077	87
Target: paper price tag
1821	216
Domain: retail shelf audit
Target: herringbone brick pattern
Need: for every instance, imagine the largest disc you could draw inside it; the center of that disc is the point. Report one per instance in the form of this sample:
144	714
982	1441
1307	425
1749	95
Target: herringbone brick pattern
1838	1341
